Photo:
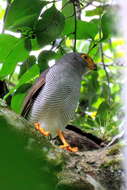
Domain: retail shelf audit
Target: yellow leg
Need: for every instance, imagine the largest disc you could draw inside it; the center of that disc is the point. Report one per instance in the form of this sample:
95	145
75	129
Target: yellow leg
65	145
41	130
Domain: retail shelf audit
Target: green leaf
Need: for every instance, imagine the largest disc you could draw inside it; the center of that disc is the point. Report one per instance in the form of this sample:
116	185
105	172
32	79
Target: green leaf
50	26
26	162
19	97
23	13
85	30
67	9
105	91
28	76
35	45
12	50
103	113
43	59
99	10
109	22
28	44
27	64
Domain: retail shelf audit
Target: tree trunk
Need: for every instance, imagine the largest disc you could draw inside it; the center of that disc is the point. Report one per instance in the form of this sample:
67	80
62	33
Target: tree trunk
30	161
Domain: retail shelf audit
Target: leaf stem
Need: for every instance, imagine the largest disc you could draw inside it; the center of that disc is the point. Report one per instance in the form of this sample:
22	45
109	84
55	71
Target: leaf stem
75	28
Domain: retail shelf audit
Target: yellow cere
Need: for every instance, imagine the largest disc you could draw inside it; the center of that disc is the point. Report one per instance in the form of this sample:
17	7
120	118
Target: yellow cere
89	61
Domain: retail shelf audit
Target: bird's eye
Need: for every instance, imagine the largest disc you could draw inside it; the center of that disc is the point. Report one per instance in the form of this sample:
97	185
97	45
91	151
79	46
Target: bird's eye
84	56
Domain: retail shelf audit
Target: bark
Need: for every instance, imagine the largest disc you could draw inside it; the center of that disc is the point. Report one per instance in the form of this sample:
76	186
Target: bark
92	168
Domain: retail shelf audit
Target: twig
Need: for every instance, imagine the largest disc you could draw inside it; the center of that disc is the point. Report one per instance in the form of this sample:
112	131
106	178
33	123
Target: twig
103	61
9	83
92	46
62	40
85	6
108	57
59	45
53	1
104	67
75	21
69	16
65	5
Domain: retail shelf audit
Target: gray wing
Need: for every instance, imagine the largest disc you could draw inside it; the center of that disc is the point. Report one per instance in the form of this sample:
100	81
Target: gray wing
33	93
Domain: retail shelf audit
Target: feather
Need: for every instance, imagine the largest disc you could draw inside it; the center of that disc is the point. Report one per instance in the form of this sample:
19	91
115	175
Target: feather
33	93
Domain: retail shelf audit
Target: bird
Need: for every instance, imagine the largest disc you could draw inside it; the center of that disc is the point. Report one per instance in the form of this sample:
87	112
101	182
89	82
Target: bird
51	102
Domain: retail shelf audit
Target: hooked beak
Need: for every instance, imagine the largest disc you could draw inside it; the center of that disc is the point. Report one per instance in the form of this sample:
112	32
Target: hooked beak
92	65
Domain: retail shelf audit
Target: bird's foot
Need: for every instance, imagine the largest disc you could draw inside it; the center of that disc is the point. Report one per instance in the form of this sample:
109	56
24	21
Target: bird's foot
41	130
69	148
65	145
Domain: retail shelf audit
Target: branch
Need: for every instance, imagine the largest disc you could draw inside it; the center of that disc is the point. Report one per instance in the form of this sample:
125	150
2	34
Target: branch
103	61
62	40
85	170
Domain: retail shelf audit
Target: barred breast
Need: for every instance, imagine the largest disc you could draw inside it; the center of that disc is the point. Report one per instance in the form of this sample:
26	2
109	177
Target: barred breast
57	101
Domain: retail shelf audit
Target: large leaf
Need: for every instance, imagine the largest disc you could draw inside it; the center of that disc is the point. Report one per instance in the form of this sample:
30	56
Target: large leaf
23	13
68	12
97	11
27	64
19	97
85	30
12	50
67	9
28	76
109	23
43	59
50	26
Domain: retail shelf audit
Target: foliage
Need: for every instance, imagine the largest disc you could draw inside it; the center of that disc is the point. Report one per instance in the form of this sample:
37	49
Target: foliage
24	163
55	28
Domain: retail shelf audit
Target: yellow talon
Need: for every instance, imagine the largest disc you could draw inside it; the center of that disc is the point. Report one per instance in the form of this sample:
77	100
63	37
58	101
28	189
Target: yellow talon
65	145
41	130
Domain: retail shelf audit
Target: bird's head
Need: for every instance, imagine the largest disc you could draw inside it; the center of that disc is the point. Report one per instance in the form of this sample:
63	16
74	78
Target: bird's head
88	61
81	62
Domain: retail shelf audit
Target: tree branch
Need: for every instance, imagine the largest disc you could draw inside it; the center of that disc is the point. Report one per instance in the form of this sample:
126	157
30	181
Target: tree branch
84	170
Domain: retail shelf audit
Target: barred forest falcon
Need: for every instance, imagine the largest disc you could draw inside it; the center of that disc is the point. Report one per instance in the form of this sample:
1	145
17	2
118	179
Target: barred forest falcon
52	100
